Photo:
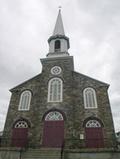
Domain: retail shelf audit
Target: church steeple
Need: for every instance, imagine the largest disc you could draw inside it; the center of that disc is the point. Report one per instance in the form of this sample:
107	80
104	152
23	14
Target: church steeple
58	42
59	29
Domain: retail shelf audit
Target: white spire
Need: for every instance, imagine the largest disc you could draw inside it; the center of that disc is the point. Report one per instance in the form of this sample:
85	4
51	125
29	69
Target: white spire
58	42
59	29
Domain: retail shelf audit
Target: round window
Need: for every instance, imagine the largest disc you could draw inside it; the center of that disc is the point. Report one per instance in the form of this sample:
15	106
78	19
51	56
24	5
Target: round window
56	70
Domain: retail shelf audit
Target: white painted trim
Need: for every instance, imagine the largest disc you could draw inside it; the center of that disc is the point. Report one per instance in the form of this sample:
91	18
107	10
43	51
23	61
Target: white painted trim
54	116
85	96
27	107
61	88
56	70
92	124
21	124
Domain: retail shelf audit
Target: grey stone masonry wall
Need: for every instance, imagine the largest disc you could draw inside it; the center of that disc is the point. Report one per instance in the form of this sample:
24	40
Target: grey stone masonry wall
103	112
72	105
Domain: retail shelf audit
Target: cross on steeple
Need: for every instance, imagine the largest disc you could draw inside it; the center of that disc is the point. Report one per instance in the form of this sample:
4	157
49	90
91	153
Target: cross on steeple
59	8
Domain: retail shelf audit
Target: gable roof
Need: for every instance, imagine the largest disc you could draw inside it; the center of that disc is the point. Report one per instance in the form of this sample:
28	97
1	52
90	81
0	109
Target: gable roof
76	73
90	78
29	80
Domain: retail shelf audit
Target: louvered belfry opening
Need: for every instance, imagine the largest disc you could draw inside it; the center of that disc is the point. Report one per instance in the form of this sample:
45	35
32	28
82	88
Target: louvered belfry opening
57	45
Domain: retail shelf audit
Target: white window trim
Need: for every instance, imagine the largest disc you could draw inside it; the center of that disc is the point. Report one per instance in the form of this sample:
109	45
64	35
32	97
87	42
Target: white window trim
21	124
20	108
93	124
85	100
54	116
61	95
56	70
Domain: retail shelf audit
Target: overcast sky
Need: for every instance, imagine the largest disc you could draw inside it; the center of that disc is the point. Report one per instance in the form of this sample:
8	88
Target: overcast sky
93	27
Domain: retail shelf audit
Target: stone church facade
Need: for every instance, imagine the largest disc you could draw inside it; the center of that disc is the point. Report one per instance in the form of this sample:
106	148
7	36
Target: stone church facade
60	109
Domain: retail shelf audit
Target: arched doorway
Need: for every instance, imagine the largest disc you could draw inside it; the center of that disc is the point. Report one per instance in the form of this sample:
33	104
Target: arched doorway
94	134
53	131
20	134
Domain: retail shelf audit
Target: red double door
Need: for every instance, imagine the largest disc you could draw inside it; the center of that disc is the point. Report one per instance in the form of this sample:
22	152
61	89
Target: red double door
53	133
20	137
94	137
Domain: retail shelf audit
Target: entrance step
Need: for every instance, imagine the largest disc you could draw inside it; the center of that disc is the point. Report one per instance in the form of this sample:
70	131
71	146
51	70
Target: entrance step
43	153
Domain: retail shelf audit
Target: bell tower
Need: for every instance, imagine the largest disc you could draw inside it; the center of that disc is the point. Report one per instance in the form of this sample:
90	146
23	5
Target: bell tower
58	42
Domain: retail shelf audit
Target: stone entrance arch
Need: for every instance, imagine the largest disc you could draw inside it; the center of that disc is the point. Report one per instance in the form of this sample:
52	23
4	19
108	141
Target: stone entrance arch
53	131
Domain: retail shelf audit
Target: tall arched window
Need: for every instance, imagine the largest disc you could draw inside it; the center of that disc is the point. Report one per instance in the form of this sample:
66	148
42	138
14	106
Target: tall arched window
57	45
55	87
90	100
25	99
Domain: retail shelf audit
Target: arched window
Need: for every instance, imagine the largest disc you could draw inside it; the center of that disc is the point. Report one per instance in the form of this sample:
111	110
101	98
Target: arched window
55	90
90	100
57	45
53	116
21	124
93	124
25	99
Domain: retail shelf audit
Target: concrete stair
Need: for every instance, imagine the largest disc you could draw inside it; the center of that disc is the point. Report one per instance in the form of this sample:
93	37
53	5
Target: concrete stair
44	153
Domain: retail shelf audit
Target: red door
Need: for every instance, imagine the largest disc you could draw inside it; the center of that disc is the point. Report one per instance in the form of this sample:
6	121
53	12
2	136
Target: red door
94	137
19	137
53	133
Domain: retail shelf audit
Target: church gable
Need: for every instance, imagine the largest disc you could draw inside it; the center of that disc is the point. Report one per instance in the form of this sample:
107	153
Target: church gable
88	81
27	84
90	94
